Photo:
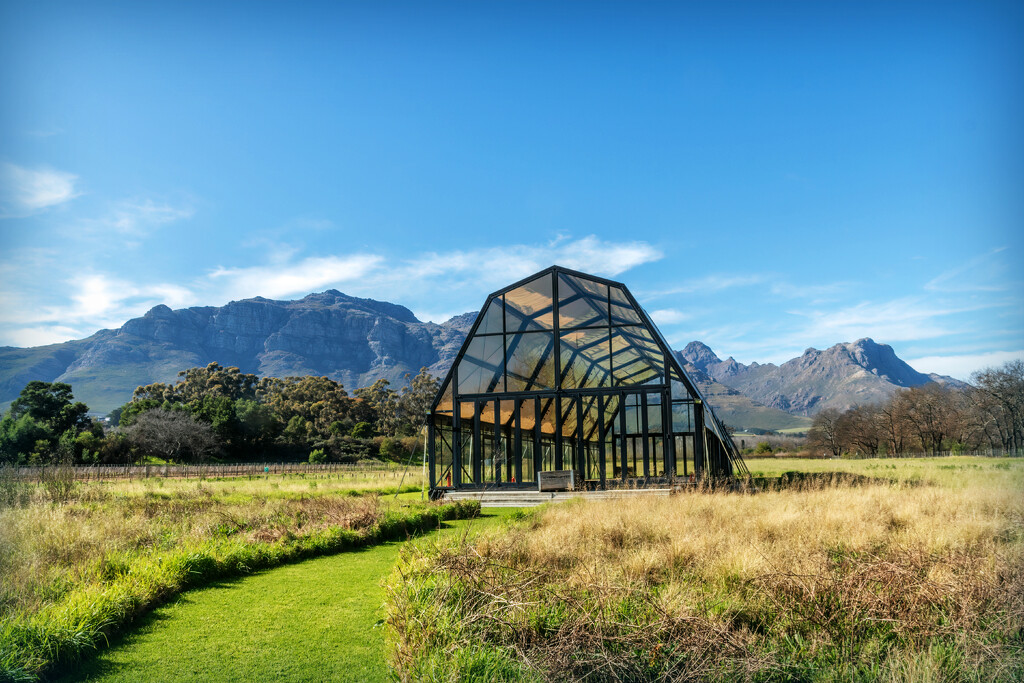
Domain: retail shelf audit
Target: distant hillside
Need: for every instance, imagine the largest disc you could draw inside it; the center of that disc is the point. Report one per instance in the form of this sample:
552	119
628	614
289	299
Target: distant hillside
355	341
739	411
838	377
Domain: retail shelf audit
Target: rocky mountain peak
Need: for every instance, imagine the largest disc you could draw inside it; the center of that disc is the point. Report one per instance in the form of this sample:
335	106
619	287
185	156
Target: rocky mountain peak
159	311
700	355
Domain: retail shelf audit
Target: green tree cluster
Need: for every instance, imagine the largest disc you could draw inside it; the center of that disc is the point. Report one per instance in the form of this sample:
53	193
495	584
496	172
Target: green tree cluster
46	425
221	412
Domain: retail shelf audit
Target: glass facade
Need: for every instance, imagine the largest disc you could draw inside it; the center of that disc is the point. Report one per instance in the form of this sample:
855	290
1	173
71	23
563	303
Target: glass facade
564	371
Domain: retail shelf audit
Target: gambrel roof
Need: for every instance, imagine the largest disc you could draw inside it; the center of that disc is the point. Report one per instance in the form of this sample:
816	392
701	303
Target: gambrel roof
563	330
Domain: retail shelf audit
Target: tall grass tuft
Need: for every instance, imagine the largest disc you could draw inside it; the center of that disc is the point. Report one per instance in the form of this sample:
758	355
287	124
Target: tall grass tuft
916	576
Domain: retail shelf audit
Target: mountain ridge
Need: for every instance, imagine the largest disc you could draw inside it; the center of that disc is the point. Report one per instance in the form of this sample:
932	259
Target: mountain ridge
357	341
841	376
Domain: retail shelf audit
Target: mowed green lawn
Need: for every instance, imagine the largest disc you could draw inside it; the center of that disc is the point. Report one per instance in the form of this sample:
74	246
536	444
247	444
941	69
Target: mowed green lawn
312	621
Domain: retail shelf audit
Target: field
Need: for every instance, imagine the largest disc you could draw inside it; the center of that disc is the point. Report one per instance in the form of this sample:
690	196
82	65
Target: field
899	570
261	627
79	561
852	570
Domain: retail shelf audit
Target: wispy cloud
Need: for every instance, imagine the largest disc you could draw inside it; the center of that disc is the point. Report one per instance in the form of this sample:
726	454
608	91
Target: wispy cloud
511	262
96	299
709	285
41	336
980	274
902	319
24	191
289	279
139	216
668	316
964	365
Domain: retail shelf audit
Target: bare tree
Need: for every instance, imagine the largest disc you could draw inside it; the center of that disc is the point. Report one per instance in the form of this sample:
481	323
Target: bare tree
894	424
999	397
173	435
861	426
931	414
826	432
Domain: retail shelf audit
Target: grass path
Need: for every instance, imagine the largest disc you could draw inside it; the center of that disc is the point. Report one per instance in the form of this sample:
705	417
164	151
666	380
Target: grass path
312	621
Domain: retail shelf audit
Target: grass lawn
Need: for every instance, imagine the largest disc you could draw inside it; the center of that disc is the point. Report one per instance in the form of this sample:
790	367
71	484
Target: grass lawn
312	621
82	563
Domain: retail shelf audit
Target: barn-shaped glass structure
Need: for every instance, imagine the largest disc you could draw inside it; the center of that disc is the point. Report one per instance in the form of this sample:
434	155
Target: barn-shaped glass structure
565	371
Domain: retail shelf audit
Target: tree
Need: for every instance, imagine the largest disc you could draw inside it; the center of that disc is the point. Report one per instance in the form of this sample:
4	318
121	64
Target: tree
384	401
173	435
999	397
216	381
18	438
895	427
826	432
861	427
415	400
931	414
320	401
51	404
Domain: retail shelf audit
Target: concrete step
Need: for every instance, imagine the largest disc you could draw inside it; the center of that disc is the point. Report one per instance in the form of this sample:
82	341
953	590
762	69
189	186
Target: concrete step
495	498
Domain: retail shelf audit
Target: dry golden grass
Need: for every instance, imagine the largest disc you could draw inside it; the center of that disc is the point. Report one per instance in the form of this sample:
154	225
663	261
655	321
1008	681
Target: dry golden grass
47	548
919	576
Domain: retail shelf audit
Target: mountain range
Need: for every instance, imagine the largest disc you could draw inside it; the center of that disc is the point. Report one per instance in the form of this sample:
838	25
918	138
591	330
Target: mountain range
357	341
839	377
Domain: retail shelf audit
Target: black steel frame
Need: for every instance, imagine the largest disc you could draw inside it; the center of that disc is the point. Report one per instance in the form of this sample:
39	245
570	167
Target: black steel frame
714	453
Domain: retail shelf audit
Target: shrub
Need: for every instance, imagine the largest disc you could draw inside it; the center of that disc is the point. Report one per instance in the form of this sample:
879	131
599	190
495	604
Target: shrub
362	430
317	457
59	481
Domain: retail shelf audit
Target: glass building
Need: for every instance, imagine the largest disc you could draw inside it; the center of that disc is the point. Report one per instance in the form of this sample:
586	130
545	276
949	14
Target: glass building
565	371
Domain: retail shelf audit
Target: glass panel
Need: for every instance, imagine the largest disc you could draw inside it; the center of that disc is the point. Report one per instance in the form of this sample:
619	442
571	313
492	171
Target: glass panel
684	456
490	473
581	303
443	451
585	359
622	311
632	408
547	454
590	424
592	462
656	451
530	306
568	419
547	422
636	358
481	369
682	417
634	457
528	471
613	454
611	458
445	403
531	361
466	443
654	413
467	409
507	413
679	390
491	322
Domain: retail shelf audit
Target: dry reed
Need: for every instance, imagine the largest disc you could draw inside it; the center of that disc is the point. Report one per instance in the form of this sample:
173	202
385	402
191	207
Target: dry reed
921	573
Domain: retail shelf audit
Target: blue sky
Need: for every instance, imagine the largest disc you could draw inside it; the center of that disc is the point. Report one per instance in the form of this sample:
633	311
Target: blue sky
765	177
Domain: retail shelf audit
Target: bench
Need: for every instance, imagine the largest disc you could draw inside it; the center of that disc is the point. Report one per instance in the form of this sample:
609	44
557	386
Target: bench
556	480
